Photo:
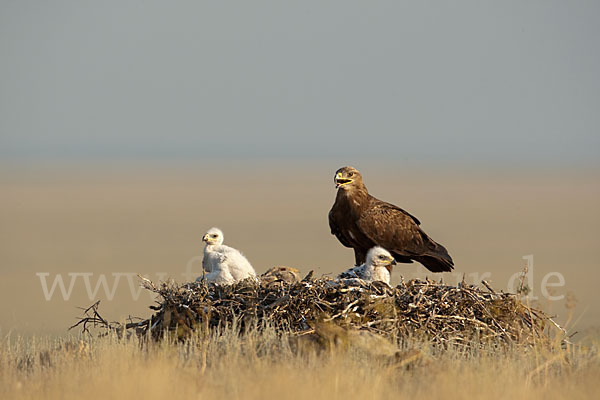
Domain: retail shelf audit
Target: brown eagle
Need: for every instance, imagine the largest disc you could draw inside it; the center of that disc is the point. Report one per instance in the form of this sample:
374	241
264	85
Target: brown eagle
361	221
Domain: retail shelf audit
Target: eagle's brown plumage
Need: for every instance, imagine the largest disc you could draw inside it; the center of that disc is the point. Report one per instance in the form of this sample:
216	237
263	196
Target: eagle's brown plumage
361	221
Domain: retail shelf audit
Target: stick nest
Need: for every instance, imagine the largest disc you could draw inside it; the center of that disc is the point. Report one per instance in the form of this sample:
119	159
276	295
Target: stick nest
443	314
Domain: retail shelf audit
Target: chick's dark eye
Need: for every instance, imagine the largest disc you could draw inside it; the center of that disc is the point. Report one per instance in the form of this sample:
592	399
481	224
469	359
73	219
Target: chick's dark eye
213	236
351	174
382	257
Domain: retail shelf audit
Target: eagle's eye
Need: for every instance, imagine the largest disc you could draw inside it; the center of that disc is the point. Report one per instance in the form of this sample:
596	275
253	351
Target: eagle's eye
350	173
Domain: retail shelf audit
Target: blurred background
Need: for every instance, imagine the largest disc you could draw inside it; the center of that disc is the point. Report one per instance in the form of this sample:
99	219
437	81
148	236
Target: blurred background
129	128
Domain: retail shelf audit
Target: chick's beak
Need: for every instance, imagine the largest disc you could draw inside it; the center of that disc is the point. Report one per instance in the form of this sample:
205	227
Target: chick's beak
393	261
205	238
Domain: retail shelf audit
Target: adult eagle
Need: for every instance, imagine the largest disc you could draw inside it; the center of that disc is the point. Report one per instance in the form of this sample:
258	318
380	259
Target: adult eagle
361	221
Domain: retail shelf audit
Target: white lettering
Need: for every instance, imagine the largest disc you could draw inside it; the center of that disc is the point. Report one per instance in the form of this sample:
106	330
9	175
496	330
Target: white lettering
58	280
101	282
545	284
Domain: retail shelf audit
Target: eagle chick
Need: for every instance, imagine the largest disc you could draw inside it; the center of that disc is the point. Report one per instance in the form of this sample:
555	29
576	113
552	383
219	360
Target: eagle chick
224	264
377	267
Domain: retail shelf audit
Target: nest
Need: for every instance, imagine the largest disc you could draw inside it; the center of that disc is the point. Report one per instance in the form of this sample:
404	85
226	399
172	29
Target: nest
442	314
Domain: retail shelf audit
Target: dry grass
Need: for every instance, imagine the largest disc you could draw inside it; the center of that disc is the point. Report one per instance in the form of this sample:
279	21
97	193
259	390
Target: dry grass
263	365
227	354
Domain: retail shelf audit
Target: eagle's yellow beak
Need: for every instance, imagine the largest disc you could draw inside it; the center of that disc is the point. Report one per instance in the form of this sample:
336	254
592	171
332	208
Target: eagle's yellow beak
340	180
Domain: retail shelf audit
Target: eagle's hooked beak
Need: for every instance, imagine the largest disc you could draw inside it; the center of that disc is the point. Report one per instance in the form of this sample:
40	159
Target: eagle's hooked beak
340	180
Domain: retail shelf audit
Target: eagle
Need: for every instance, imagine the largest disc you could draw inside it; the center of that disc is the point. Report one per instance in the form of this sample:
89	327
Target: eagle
224	264
377	267
361	221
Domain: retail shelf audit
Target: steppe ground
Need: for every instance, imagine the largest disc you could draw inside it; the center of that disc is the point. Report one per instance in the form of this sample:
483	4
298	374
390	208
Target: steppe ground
149	220
262	366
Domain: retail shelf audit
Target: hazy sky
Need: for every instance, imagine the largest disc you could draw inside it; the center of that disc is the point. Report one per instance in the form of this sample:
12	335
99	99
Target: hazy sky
494	81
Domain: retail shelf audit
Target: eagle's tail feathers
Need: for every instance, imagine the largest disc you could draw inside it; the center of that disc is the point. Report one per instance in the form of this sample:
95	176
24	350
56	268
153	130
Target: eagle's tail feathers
435	264
437	259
